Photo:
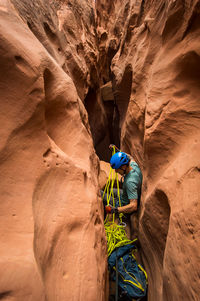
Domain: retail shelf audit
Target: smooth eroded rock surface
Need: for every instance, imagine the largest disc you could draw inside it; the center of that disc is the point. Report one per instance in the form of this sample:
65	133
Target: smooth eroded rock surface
52	235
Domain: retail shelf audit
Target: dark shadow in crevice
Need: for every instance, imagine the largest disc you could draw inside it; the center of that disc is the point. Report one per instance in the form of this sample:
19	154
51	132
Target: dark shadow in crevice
5	295
50	34
194	22
187	67
48	79
36	32
155	222
103	118
173	23
98	124
141	13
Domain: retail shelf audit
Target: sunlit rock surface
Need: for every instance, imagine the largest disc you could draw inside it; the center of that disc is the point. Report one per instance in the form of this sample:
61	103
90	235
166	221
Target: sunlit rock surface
156	83
52	235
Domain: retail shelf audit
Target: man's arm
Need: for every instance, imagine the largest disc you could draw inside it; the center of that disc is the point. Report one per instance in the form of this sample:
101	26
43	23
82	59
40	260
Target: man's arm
129	208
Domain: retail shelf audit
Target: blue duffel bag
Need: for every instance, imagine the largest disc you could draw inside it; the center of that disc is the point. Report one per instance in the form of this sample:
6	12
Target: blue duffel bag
132	278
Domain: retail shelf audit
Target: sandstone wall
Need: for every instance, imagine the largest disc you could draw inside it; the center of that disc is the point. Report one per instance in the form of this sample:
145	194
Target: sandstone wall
54	58
52	236
156	83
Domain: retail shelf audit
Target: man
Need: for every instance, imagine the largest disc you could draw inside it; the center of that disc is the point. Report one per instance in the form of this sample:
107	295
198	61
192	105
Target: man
130	195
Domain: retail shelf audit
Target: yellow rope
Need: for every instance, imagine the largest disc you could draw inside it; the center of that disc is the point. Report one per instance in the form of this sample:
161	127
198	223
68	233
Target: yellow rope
116	234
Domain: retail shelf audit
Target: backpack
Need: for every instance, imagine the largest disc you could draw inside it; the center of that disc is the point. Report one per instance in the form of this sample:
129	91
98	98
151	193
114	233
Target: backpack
132	278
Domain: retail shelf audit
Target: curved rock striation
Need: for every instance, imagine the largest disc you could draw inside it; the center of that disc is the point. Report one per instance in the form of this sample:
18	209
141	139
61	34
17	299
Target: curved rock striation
52	235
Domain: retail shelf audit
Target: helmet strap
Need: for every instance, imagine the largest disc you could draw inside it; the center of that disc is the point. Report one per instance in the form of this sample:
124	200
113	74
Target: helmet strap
124	170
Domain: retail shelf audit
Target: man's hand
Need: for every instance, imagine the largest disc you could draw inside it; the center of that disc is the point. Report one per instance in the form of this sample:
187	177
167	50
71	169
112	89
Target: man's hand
111	147
111	210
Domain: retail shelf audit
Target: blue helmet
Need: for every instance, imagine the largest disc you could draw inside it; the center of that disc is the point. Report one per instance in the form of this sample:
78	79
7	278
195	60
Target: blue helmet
119	159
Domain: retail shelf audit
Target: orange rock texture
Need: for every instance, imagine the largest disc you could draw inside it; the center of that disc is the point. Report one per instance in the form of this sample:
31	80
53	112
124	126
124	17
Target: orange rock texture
72	80
155	70
52	235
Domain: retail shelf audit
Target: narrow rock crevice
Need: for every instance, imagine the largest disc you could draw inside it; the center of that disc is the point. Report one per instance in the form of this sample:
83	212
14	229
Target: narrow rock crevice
104	118
98	123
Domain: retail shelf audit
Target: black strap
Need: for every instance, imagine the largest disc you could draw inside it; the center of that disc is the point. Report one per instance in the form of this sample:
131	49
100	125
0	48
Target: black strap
116	282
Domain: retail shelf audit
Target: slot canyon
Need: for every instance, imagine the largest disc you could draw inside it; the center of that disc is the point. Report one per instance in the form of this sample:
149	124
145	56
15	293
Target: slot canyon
76	76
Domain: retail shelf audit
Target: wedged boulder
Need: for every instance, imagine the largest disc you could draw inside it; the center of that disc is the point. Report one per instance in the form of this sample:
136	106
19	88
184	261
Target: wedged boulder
106	92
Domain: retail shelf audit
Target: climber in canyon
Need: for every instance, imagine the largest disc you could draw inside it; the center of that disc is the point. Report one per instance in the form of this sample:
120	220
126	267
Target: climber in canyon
130	194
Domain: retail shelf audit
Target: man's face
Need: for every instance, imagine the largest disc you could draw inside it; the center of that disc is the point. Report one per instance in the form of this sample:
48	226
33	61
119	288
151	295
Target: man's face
121	170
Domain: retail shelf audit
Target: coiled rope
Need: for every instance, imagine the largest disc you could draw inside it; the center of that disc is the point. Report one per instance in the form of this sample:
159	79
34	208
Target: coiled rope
115	233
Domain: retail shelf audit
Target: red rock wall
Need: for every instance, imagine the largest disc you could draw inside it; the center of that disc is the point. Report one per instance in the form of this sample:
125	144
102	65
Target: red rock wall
156	83
52	235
